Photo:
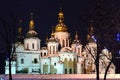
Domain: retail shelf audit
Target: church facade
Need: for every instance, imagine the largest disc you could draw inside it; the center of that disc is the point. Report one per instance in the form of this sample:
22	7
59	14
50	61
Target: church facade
59	56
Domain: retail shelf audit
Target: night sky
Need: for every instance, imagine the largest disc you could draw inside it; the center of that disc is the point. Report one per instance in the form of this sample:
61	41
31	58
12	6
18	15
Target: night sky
77	15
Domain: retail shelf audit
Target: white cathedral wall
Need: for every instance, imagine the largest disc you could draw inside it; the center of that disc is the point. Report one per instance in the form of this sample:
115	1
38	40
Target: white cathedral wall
79	65
19	47
54	60
60	68
43	62
76	48
50	46
28	61
62	36
43	52
30	42
13	67
67	55
79	68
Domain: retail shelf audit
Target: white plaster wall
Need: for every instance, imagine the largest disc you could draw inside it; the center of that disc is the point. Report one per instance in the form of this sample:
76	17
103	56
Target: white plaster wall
62	36
13	67
28	61
43	61
30	41
54	60
67	55
79	68
52	44
60	68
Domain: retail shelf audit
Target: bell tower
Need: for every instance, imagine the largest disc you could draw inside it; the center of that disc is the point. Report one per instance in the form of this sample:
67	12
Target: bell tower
32	42
61	31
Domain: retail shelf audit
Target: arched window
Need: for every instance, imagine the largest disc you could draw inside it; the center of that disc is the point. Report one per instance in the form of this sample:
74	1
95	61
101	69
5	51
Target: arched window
70	59
41	54
70	71
67	43
54	64
74	59
65	71
22	61
35	60
44	54
63	43
53	49
33	45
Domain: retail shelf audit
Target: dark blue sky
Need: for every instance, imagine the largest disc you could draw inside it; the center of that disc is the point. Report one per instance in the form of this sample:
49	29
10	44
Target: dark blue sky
45	14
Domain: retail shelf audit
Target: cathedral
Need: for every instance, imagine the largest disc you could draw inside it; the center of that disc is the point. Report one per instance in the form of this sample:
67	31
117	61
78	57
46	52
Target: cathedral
59	56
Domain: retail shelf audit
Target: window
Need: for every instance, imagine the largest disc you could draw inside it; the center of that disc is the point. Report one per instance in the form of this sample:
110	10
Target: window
35	60
63	43
66	42
65	71
41	54
44	54
22	61
70	59
33	45
54	64
74	59
53	49
70	71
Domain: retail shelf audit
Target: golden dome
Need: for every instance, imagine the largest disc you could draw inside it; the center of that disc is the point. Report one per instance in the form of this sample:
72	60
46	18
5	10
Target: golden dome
31	24
60	27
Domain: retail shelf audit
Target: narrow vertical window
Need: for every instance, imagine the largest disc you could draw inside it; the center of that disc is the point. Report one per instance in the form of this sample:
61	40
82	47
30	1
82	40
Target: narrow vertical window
33	45
65	71
22	61
54	64
53	49
44	54
63	43
70	71
41	54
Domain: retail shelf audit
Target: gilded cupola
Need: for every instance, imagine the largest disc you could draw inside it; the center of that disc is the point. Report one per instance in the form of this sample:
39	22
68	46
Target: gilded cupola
31	32
60	27
31	23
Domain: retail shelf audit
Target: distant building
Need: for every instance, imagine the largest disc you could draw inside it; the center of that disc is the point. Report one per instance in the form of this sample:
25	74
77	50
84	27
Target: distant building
59	56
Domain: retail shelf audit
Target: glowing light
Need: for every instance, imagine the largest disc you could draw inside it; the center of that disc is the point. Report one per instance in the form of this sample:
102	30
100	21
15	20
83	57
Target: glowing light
118	37
93	37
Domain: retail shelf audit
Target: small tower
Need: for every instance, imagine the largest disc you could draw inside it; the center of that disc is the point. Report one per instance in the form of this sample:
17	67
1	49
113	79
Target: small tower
32	42
61	31
20	37
31	32
90	33
76	46
52	45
